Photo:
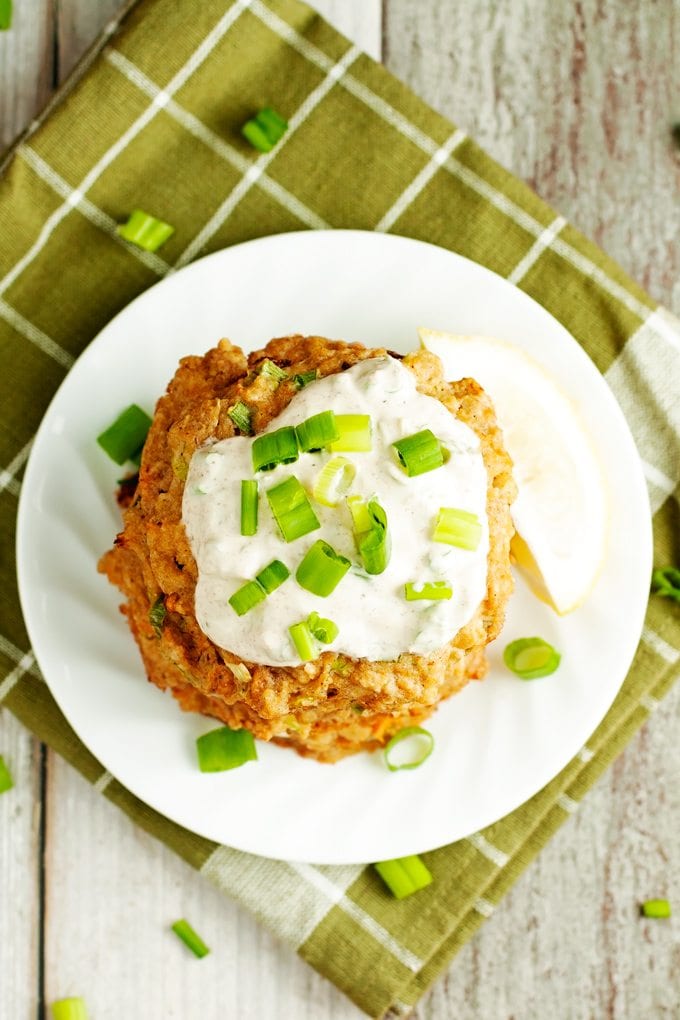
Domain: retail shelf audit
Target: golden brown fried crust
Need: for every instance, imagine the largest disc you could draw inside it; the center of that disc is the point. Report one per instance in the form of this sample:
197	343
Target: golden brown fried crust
335	705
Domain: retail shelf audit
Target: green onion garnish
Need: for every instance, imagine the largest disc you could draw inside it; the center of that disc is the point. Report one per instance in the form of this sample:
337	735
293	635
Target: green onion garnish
303	379
265	129
248	507
321	569
316	432
418	749
354	433
457	527
419	453
224	748
371	533
333	481
303	639
247	597
270	370
124	439
666	582
69	1009
655	908
323	630
145	231
430	590
404	876
273	448
157	614
190	938
6	781
241	417
530	658
5	14
272	576
292	510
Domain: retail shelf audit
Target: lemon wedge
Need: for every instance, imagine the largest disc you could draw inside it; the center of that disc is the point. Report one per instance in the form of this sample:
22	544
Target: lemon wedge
561	510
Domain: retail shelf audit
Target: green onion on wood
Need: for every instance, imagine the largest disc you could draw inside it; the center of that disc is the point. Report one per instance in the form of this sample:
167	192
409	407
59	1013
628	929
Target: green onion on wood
655	908
191	939
6	781
73	1008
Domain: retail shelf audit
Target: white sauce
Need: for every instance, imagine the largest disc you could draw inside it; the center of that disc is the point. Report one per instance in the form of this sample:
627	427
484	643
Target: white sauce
374	619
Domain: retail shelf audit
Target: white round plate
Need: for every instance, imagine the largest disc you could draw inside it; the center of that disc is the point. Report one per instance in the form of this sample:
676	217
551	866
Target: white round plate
498	742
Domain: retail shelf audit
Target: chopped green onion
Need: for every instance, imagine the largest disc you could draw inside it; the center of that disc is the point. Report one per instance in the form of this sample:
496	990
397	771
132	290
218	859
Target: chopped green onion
272	576
321	569
457	527
224	748
124	439
303	639
530	658
430	590
69	1009
404	876
333	481
5	14
666	582
292	510
157	614
303	379
190	938
323	630
343	667
273	448
655	908
419	453
247	597
6	781
418	749
316	432
240	671
241	417
145	231
371	534
354	433
248	507
270	370
265	129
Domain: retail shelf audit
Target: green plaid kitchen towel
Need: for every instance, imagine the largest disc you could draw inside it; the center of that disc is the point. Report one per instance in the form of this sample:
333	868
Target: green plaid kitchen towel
156	115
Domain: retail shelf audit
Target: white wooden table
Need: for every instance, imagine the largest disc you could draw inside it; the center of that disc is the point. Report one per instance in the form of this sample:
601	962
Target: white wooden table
577	98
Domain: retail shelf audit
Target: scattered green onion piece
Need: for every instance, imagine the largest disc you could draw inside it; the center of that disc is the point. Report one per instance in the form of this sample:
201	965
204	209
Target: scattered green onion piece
404	876
419	453
457	527
303	379
273	448
666	582
224	749
421	746
5	14
145	231
265	129
190	938
655	908
430	590
70	1009
241	417
530	658
323	630
292	510
333	481
321	569
273	575
247	597
316	432
303	639
6	781
248	507
361	520
157	614
371	534
354	434
270	370
124	439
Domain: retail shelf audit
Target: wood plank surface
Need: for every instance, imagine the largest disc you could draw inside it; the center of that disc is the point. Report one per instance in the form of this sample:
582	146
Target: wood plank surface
26	66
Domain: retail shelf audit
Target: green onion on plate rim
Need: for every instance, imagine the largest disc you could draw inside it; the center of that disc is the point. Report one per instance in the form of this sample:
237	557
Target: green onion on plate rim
124	439
224	749
531	658
419	747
